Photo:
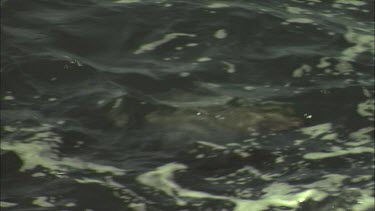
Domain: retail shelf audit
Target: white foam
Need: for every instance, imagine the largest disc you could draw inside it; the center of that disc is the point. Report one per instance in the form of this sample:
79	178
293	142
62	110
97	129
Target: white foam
299	20
360	137
298	142
338	152
107	183
40	150
117	103
184	74
127	1
365	202
351	2
5	204
324	63
221	34
332	136
299	72
161	179
42	154
70	204
9	97
344	67
191	44
218	5
211	145
367	109
249	171
330	182
137	206
295	10
9	128
42	201
362	43
39	174
231	68
153	45
362	178
200	156
317	130
366	93
249	88
204	59
129	197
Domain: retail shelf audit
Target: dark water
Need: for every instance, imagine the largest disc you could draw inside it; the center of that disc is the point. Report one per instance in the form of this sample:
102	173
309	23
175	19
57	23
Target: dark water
187	105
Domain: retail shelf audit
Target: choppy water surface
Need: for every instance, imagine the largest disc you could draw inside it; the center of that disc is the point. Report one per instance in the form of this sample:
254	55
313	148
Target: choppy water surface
147	105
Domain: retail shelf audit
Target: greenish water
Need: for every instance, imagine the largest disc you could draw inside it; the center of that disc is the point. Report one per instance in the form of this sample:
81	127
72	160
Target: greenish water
187	105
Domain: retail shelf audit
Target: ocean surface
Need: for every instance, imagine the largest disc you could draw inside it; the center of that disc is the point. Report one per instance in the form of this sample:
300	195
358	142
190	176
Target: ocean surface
187	105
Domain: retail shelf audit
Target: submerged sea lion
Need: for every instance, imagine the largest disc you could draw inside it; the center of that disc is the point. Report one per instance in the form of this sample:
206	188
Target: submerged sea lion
245	118
215	122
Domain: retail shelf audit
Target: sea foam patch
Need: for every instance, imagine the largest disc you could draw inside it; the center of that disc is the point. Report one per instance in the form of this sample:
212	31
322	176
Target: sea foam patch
5	204
317	130
127	1
220	34
161	179
300	20
218	5
41	149
153	45
363	42
338	152
42	201
366	109
293	193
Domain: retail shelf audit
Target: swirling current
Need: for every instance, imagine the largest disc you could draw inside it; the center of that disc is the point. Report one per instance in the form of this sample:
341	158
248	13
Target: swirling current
187	105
